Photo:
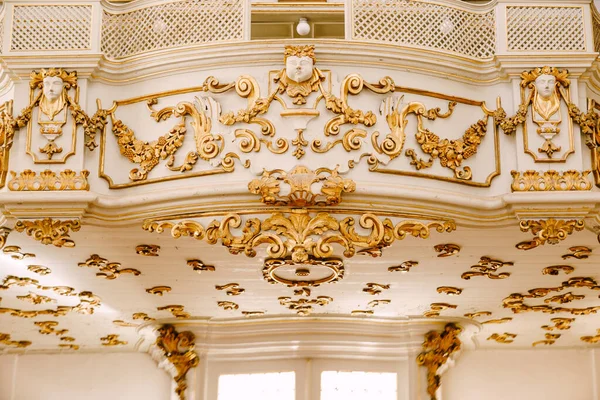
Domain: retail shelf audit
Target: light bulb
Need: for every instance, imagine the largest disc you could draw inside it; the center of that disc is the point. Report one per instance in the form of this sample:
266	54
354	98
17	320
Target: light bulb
303	28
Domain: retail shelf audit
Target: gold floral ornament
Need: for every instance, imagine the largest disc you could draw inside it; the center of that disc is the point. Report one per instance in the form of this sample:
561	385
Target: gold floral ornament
50	231
545	181
437	350
559	323
304	306
300	235
487	267
4	231
48	180
177	311
300	181
148	250
112	340
108	270
591	339
199	266
578	252
404	267
556	269
505	337
299	78
516	301
550	231
5	339
16	253
178	349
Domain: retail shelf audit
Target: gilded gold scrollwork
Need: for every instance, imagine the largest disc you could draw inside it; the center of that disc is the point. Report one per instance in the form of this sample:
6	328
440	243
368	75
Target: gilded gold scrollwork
487	266
559	323
4	232
232	289
6	340
16	253
300	181
48	180
228	305
50	231
478	314
112	340
142	316
447	249
39	269
437	349
124	324
550	231
505	337
177	310
34	298
578	252
47	328
159	290
591	339
449	290
362	312
304	306
556	269
437	308
178	350
375	288
376	303
551	180
69	346
252	313
497	321
404	266
199	266
148	250
108	270
292	235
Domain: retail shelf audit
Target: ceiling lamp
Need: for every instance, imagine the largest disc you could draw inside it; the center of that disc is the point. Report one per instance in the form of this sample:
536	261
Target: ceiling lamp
303	28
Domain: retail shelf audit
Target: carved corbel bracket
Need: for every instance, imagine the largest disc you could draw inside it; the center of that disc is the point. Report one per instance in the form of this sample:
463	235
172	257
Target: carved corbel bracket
437	350
174	352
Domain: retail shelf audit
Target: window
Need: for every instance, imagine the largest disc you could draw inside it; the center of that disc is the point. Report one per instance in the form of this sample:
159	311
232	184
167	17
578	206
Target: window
267	386
358	385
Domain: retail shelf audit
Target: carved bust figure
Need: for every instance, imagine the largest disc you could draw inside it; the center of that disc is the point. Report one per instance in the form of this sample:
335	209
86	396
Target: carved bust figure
546	100
299	78
53	98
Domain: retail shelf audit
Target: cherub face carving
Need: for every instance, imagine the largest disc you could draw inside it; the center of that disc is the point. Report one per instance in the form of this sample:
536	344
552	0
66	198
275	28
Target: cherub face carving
545	85
299	69
53	87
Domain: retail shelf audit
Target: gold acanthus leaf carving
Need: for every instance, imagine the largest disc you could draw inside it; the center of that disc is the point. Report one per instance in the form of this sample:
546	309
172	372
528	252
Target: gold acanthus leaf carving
564	298
15	252
11	280
148	250
437	349
304	306
403	267
516	301
112	340
591	339
48	180
487	267
199	266
375	288
4	231
232	289
449	290
34	298
108	270
300	181
39	269
50	231
555	270
298	235
5	339
177	311
545	181
47	328
178	350
503	337
550	230
578	252
559	323
447	249
159	290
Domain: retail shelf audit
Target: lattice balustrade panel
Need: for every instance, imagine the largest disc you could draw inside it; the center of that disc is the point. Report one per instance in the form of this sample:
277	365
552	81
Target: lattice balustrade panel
545	28
52	27
596	27
421	24
172	24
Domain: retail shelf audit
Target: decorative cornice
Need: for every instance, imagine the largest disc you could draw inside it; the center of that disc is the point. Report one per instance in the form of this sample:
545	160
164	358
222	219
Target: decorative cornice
48	180
545	181
437	349
177	349
50	231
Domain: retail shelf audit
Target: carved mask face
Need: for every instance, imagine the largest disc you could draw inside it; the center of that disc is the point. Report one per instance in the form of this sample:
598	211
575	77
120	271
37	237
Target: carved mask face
544	85
299	69
53	87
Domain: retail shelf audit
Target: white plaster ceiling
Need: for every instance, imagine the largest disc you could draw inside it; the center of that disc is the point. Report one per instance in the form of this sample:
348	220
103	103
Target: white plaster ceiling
409	294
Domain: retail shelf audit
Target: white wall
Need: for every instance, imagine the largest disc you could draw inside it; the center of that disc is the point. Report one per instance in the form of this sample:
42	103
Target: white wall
522	375
116	376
